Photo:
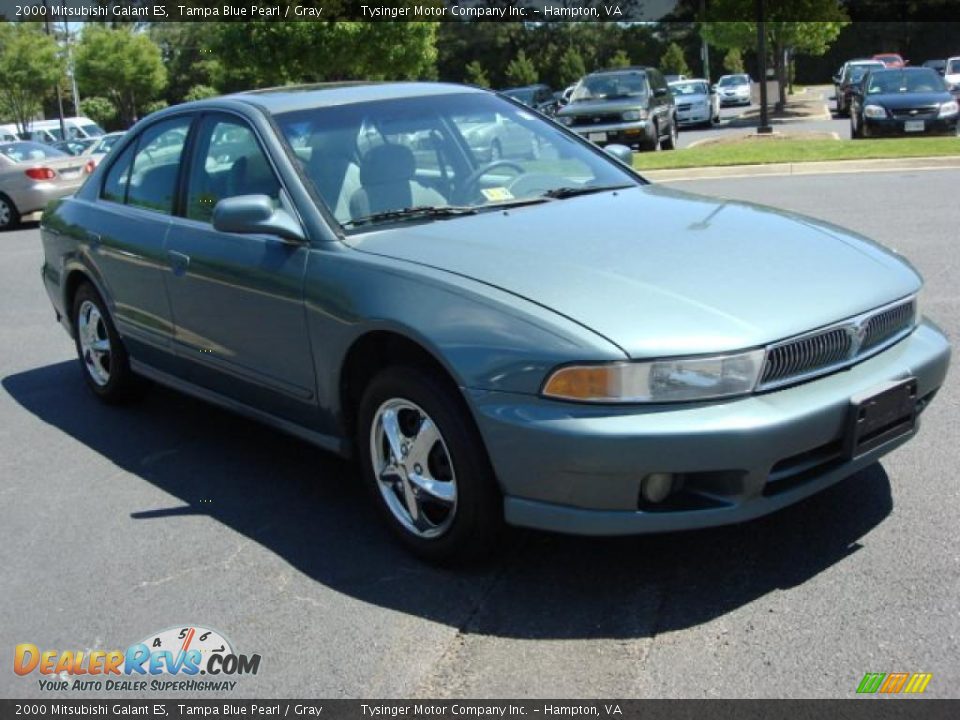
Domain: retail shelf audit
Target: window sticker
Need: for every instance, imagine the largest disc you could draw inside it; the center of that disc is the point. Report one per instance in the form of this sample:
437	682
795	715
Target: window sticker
497	194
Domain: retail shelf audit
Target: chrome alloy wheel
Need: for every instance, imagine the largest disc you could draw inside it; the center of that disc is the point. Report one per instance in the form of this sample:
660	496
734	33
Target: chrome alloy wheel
413	468
6	214
94	342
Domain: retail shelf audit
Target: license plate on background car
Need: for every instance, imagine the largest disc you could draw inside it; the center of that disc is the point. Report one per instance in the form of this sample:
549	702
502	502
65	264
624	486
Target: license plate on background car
597	137
70	175
880	415
913	126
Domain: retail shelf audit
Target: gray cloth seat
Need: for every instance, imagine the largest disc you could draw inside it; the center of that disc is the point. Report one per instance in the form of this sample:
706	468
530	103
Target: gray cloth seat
387	183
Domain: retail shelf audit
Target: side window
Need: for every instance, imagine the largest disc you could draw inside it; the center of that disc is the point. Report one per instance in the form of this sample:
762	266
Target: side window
115	186
153	179
228	162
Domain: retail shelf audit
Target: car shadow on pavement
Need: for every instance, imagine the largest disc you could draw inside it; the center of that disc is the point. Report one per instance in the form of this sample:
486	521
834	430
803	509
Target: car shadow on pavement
308	507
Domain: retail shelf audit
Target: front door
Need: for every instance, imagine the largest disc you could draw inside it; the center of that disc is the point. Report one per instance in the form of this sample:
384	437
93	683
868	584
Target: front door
237	300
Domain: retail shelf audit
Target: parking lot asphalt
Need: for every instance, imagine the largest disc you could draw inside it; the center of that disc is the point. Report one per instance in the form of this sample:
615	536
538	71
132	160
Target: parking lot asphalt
116	523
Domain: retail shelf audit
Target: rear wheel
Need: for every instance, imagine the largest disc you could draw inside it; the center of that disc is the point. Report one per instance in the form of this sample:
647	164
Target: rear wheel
9	217
670	141
103	358
425	467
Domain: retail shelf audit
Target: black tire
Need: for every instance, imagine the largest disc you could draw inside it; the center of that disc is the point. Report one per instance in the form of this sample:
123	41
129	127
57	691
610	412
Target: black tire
856	132
475	525
670	141
121	385
652	145
9	217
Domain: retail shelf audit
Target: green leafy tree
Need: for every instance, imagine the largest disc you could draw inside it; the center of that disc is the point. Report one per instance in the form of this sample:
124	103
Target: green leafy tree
99	109
188	55
200	92
521	70
30	66
784	35
155	106
673	62
475	75
572	67
122	64
620	59
733	61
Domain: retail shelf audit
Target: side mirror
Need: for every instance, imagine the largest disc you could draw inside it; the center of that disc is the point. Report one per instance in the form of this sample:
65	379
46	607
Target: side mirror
661	91
621	153
255	214
837	79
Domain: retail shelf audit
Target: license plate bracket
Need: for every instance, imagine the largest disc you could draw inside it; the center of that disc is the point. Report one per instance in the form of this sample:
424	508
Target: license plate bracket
880	415
597	137
914	126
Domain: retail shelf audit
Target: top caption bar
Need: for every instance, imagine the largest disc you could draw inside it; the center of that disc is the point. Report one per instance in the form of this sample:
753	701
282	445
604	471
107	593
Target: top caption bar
140	11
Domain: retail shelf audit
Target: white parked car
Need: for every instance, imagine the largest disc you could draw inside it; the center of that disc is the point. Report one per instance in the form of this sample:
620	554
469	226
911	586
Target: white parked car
734	89
696	103
951	72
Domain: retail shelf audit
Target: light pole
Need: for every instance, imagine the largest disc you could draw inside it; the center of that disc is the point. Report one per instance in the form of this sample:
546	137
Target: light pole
63	127
764	128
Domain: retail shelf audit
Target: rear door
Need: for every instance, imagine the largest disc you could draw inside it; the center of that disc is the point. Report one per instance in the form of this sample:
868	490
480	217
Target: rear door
237	299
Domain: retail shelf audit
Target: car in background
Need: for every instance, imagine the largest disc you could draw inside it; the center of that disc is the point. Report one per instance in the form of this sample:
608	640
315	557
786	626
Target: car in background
74	147
891	60
624	106
557	345
952	71
31	175
539	97
697	103
674	78
734	89
101	146
904	101
939	65
48	131
850	79
493	137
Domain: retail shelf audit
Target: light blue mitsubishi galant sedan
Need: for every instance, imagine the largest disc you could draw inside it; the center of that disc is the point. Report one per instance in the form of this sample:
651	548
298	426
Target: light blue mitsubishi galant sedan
540	339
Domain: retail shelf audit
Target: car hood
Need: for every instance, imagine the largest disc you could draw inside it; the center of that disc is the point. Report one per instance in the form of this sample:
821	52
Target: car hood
908	100
691	99
593	107
659	271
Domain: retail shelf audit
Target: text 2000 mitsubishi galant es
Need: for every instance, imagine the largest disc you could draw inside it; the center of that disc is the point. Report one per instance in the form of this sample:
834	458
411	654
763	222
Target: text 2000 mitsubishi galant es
532	335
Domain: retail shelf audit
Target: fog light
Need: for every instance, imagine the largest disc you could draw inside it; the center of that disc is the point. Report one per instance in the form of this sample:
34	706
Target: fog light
656	487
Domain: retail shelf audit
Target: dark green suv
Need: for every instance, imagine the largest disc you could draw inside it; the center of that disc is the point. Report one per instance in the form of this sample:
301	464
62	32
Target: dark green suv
628	106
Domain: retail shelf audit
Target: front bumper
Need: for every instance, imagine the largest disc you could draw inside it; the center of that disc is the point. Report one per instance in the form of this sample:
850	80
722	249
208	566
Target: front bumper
695	116
734	100
577	468
889	127
627	133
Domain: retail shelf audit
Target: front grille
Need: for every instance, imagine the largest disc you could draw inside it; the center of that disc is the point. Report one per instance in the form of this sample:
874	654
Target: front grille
917	113
684	108
599	119
837	346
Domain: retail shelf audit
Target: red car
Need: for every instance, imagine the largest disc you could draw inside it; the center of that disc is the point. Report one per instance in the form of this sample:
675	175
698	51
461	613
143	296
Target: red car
891	60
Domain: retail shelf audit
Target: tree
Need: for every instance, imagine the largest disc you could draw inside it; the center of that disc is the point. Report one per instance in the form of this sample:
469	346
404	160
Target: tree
572	67
733	61
521	70
188	56
30	65
673	62
475	75
620	59
99	109
784	35
121	64
200	92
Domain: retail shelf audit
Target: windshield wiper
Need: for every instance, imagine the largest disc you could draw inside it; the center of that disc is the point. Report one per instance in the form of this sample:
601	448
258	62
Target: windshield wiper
420	211
567	192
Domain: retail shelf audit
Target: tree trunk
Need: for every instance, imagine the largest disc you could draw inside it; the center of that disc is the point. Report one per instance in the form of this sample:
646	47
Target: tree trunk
781	73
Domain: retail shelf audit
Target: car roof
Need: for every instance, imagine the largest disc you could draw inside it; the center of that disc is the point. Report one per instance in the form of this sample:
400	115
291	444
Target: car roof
303	97
687	80
632	68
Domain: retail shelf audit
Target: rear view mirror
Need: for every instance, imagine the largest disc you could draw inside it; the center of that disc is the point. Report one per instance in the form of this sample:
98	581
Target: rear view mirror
255	214
621	153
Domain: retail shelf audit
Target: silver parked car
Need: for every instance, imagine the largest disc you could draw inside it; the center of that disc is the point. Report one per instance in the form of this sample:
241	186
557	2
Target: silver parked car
31	175
550	343
734	90
697	103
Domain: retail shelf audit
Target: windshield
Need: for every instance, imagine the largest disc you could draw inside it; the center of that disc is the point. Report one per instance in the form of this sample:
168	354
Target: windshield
921	80
609	86
689	88
106	142
730	80
523	95
464	151
21	152
953	67
855	73
92	130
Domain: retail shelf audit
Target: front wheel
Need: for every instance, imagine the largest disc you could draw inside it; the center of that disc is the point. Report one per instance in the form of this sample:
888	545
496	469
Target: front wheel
103	358
425	466
9	217
670	141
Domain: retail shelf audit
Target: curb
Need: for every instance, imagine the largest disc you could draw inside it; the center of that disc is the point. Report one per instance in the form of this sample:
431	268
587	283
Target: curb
831	167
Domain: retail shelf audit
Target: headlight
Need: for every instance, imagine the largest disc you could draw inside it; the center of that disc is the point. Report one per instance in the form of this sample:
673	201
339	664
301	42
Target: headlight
566	119
634	115
658	381
949	108
874	111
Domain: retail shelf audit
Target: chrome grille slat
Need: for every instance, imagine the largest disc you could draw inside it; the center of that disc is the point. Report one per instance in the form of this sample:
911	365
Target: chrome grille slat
842	344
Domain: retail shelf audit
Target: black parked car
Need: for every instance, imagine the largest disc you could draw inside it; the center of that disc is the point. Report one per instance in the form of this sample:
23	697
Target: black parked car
907	101
939	65
626	106
539	97
849	79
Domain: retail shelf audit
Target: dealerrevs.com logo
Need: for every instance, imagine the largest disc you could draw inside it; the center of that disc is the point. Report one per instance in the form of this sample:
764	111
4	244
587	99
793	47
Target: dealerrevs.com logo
171	660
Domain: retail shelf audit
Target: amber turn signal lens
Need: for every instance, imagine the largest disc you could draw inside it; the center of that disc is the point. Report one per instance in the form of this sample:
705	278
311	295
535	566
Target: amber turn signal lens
582	382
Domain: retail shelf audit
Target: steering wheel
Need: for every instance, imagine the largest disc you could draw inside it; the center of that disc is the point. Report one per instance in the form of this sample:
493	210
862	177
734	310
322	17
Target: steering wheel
469	185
